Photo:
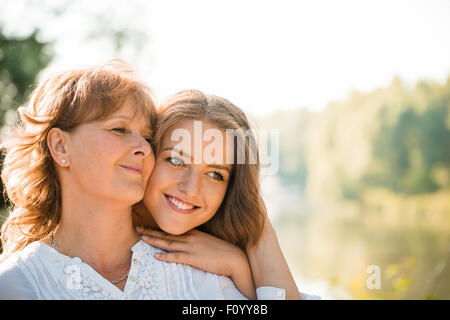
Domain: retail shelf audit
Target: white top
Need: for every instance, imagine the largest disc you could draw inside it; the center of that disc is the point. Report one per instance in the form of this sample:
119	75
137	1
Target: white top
40	272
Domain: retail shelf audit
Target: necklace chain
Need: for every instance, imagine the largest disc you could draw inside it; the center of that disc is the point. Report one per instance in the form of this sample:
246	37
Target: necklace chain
52	240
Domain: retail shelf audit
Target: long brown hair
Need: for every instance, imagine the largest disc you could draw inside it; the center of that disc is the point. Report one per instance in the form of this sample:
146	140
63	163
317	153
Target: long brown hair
240	218
64	100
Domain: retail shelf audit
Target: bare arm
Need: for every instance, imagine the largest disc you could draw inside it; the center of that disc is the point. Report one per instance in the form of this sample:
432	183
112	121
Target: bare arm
269	267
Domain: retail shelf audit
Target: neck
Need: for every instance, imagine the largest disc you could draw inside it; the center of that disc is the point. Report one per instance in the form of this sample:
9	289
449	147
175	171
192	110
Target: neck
100	233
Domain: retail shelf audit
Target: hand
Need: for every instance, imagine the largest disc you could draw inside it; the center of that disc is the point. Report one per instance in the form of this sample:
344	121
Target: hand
206	252
198	249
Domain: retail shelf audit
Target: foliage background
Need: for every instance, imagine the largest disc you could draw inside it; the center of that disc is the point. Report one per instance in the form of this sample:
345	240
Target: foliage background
363	181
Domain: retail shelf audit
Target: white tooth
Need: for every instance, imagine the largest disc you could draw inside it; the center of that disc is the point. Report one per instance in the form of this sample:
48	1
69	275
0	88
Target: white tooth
179	204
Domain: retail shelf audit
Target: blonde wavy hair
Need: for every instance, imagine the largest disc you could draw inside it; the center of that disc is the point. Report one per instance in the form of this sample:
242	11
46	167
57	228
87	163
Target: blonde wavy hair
64	100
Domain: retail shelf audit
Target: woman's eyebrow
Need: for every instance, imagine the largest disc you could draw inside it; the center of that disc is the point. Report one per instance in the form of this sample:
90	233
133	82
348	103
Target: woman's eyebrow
179	151
120	116
212	165
220	167
129	118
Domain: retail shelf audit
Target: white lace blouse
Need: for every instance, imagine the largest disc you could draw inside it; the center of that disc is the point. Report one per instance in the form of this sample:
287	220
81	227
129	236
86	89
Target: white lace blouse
40	272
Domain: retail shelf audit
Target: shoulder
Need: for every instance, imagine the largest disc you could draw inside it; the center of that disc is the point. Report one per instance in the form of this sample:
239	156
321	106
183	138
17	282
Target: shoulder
213	286
9	269
209	285
15	280
178	280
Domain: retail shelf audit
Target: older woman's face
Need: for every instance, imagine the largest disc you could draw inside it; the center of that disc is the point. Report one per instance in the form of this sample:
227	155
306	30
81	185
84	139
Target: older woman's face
112	159
185	191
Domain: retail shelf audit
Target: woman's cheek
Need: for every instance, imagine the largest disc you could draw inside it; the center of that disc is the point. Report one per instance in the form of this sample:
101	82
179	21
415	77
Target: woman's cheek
220	192
215	196
157	177
150	166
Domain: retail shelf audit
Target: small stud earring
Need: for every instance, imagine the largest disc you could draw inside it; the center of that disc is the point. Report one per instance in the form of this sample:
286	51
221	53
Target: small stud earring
63	161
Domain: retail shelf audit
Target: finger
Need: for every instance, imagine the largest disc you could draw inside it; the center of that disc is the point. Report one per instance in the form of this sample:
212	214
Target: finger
165	244
159	234
175	257
151	232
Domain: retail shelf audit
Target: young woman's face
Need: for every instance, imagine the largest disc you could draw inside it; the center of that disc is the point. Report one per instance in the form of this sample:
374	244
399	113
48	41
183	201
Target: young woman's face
112	159
184	192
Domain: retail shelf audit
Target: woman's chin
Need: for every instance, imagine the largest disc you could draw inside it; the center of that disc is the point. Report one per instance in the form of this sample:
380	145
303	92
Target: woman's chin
173	230
132	196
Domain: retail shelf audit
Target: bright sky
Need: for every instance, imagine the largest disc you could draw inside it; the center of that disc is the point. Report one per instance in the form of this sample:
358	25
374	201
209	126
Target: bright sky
269	55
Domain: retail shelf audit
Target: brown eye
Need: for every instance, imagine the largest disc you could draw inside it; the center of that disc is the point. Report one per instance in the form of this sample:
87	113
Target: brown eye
149	140
216	175
119	130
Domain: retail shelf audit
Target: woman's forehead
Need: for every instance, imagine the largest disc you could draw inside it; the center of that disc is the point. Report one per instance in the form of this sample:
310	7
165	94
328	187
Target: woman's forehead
129	111
198	140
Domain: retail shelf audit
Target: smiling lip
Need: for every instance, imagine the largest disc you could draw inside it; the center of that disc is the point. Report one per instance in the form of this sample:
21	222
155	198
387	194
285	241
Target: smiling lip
133	169
178	209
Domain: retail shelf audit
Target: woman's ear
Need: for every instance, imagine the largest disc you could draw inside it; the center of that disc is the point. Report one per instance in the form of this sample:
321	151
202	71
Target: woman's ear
56	141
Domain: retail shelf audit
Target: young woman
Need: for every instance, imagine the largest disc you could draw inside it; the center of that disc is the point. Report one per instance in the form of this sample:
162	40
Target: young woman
73	170
220	197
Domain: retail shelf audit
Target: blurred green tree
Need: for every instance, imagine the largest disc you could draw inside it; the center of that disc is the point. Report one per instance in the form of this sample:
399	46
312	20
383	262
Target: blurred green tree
21	60
394	138
407	151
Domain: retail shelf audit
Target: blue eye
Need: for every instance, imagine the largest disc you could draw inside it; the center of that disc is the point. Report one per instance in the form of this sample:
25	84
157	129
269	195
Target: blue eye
176	162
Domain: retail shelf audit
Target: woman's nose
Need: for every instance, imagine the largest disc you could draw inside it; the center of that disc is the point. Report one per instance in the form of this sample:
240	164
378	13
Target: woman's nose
190	183
141	147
